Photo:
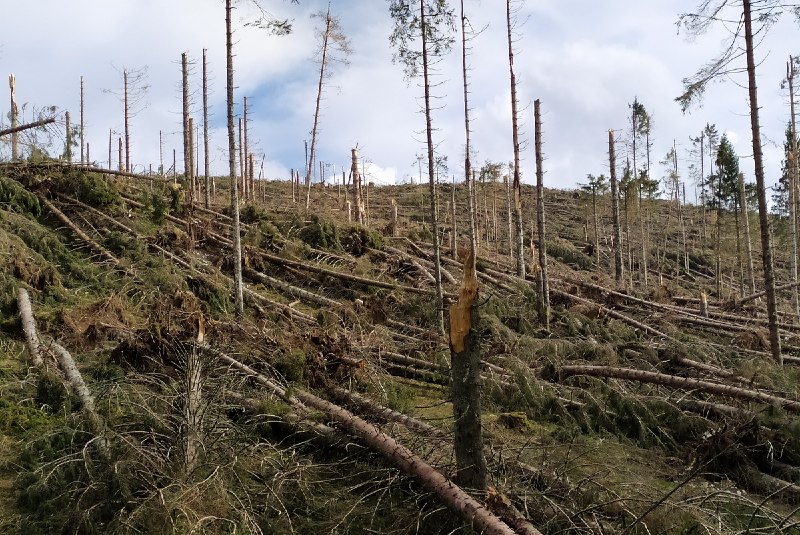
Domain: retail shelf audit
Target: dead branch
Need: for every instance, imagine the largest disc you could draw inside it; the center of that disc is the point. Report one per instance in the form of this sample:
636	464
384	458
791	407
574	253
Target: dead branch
679	382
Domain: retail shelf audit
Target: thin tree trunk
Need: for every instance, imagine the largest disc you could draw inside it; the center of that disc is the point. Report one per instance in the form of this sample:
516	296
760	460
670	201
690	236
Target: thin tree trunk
763	216
454	247
127	124
794	187
322	65
751	279
356	186
205	133
437	259
544	288
509	219
520	237
237	237
12	84
193	382
617	238
83	126
246	157
27	126
68	139
120	157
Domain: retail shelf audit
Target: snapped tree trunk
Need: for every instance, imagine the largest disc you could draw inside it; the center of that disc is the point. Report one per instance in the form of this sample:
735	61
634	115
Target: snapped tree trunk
465	341
763	215
357	198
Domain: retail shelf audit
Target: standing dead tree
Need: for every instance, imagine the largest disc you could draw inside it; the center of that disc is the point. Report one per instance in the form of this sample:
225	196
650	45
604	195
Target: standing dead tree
544	284
334	48
132	96
697	23
432	24
617	238
520	233
236	227
12	84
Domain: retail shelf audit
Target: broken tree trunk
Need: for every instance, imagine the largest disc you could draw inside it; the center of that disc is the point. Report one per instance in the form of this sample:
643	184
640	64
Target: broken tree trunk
28	126
544	285
680	382
465	365
29	326
453	496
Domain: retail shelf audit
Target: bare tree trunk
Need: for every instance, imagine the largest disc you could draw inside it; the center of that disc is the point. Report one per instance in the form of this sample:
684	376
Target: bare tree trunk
185	100
509	219
740	257
192	411
520	237
84	157
120	157
205	132
544	288
242	164
751	279
454	246
794	187
322	65
29	326
12	84
127	124
248	195
237	237
763	216
612	164
357	200
192	183
68	139
437	259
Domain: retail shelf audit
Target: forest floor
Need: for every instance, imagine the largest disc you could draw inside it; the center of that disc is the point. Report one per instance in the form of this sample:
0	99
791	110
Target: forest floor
631	413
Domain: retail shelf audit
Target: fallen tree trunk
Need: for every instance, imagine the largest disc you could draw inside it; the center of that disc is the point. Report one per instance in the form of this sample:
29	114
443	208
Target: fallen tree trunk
82	235
20	128
29	326
663	379
453	496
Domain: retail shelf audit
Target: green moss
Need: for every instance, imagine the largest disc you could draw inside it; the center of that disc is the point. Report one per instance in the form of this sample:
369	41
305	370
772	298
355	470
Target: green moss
17	199
19	420
291	365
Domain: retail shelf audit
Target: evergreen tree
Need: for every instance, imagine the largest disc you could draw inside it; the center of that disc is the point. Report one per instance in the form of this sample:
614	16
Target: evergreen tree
780	199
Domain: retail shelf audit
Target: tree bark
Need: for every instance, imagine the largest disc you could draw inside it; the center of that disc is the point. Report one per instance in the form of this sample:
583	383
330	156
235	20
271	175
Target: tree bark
763	215
29	326
237	237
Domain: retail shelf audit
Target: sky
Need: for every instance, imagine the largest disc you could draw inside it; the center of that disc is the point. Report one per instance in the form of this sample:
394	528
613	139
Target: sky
586	62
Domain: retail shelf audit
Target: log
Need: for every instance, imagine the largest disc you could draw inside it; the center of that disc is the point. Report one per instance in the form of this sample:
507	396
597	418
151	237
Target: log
664	379
29	326
289	289
20	128
453	496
